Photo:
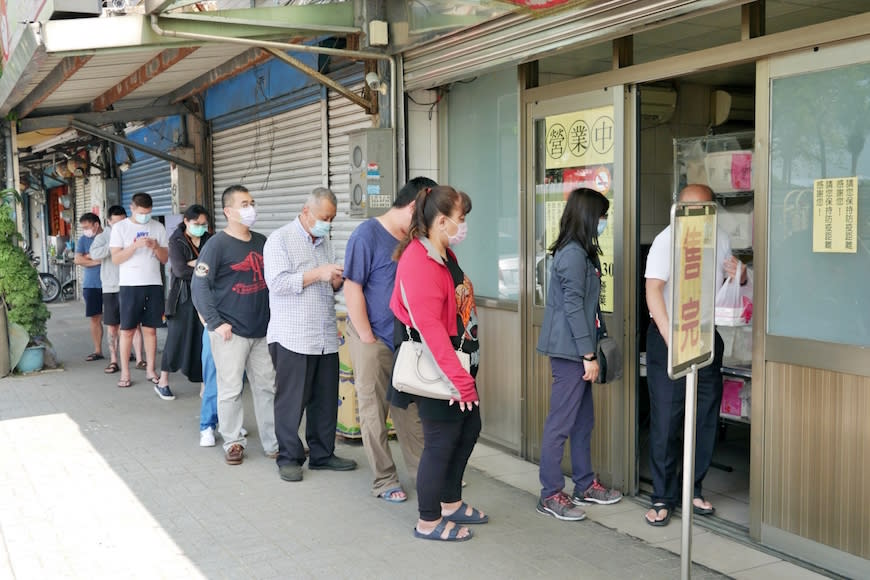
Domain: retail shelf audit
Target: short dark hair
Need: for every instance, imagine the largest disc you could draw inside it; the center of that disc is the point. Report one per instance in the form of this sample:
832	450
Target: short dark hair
194	211
90	218
116	210
143	200
409	192
227	197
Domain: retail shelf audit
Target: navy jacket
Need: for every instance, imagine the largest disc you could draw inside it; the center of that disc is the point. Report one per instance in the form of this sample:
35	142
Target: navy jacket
569	329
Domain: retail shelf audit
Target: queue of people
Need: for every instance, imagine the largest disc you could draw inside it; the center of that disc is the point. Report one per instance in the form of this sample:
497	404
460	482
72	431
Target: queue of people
244	307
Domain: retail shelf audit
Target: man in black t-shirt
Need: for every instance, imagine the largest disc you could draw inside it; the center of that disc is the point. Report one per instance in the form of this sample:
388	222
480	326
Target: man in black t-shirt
230	293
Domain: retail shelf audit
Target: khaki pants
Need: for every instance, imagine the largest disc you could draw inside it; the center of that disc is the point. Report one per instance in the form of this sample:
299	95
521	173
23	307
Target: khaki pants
372	372
232	359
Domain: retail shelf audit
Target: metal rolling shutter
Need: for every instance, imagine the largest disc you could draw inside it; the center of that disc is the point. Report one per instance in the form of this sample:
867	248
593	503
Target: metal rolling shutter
148	175
518	38
277	158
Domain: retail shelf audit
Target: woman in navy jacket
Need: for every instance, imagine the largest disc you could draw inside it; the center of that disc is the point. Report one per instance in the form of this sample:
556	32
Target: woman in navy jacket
569	337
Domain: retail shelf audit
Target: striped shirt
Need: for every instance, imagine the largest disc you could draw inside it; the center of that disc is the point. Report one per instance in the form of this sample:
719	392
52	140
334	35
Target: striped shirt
303	319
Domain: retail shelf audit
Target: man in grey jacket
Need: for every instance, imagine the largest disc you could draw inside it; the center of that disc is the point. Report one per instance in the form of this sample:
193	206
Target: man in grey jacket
109	277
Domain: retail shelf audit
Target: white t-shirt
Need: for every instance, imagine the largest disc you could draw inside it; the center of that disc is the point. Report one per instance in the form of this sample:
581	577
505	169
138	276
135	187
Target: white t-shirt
658	262
143	267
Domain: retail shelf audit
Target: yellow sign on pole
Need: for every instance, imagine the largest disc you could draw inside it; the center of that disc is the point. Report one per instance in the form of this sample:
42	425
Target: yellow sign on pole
580	139
835	215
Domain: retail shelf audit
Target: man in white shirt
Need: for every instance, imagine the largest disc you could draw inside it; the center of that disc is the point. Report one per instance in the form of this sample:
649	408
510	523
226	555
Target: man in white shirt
667	397
139	247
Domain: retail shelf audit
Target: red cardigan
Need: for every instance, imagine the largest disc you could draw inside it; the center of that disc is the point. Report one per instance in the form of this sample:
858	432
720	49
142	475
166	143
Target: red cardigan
432	297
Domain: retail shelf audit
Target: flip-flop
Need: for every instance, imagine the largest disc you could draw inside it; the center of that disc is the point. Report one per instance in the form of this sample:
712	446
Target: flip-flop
94	356
387	495
124	383
154	380
657	522
111	368
141	365
461	517
701	511
452	535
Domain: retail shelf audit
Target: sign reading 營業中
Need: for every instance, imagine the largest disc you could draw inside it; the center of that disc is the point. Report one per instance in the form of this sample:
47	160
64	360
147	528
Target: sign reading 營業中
580	139
835	215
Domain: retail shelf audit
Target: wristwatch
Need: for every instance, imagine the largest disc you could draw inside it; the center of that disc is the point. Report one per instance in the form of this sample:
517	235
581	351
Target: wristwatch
590	357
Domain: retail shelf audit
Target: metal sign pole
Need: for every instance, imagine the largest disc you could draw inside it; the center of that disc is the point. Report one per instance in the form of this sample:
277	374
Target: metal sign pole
688	473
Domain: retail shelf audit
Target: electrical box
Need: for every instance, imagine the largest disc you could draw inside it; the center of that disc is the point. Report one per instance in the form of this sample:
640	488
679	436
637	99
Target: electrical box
183	181
372	172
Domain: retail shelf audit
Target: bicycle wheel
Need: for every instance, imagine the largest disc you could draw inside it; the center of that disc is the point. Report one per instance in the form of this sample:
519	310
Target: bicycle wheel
50	286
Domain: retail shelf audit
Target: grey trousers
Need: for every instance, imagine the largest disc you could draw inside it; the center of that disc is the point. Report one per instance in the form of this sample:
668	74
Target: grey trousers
232	359
372	373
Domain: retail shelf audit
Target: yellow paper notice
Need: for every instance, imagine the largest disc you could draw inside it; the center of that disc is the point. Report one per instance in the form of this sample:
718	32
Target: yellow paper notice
835	215
581	138
688	344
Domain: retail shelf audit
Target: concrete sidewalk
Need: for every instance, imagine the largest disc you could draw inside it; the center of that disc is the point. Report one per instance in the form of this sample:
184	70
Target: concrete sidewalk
102	482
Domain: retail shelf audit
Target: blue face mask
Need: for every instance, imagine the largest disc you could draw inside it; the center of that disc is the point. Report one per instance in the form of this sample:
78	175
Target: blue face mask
602	225
320	229
142	218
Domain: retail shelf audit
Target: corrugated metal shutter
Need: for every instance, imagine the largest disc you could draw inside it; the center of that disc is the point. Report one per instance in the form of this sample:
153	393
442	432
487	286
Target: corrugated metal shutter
277	158
149	175
518	38
343	117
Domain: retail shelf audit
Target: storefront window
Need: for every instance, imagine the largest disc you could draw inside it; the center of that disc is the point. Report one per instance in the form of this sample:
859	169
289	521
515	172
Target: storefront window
820	206
483	160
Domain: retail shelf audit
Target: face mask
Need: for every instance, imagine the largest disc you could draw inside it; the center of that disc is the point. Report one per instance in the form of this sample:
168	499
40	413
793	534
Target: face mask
461	232
602	225
197	230
248	215
88	233
142	218
320	229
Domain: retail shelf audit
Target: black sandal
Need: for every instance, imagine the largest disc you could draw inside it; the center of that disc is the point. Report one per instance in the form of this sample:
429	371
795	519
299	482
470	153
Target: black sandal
700	511
659	523
111	368
452	535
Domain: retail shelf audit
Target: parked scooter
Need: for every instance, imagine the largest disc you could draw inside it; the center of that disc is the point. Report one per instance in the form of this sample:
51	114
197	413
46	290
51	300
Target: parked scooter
49	285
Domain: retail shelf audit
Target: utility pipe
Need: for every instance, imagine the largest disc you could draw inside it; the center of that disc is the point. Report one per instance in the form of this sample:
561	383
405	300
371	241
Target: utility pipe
265	44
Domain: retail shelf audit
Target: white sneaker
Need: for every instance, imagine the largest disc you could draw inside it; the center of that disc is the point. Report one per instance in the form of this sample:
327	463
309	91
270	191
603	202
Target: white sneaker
243	432
206	437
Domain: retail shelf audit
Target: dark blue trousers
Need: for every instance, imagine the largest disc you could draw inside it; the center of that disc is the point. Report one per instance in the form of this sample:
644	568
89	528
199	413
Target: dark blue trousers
667	400
571	415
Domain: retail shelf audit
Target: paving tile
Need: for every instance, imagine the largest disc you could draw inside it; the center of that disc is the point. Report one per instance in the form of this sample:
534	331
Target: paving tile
719	553
777	571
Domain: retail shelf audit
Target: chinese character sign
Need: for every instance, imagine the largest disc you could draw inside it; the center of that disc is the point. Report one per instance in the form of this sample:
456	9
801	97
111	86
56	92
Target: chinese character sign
693	285
835	215
580	139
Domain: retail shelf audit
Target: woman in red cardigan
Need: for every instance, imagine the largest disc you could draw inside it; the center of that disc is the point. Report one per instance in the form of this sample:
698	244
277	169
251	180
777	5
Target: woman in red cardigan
441	299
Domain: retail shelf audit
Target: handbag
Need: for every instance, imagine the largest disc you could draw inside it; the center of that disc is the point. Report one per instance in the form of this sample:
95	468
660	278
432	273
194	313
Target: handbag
609	355
415	371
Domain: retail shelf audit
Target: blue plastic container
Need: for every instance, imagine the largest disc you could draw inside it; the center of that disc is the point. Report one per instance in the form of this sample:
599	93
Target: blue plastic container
32	359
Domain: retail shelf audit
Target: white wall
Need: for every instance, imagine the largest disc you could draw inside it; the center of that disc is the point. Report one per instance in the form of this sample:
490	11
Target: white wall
422	123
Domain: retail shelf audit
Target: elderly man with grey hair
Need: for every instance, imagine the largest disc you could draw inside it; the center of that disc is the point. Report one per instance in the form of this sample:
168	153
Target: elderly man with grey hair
302	276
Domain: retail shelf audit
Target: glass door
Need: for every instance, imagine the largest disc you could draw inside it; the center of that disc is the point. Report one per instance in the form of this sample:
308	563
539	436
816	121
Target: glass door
572	142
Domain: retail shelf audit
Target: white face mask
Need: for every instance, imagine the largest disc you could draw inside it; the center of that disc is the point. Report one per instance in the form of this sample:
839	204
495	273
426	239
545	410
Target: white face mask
461	232
248	215
89	233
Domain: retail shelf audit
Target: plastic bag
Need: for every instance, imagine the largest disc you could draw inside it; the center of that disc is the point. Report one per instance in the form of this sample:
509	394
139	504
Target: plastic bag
730	306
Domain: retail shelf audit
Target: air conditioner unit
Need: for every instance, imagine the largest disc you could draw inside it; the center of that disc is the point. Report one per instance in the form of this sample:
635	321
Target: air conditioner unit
731	106
657	104
372	172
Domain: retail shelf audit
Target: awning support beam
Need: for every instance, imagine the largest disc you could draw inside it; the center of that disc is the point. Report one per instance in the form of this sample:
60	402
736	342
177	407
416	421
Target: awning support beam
323	79
125	115
66	68
241	63
97	132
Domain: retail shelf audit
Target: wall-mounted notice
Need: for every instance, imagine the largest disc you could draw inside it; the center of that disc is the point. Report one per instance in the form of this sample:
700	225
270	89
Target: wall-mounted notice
835	215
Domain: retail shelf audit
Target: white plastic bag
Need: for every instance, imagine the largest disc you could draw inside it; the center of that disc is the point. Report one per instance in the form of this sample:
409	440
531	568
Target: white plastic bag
729	302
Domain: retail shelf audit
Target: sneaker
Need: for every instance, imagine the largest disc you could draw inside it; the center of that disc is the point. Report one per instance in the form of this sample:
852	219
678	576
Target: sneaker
290	472
235	454
243	432
164	393
596	493
206	437
335	463
560	507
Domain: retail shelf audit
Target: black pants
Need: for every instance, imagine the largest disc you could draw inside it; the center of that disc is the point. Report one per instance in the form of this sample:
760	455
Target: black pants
309	383
667	400
447	445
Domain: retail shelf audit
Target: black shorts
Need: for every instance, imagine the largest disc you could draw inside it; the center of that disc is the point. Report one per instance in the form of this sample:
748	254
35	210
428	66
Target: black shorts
141	305
93	301
111	309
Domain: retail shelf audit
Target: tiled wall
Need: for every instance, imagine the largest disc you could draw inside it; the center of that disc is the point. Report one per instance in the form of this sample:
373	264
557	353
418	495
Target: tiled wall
656	187
422	123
